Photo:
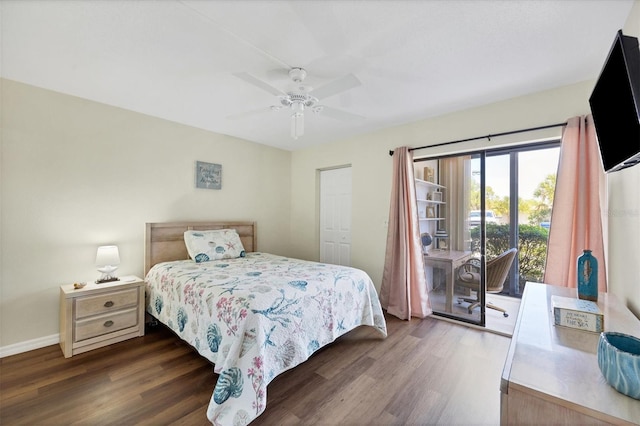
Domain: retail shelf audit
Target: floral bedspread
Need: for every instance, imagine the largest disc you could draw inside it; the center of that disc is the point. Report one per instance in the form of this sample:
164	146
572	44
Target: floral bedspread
257	316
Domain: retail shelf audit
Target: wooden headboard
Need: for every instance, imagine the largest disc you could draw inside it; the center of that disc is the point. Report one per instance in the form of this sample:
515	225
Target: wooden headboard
165	241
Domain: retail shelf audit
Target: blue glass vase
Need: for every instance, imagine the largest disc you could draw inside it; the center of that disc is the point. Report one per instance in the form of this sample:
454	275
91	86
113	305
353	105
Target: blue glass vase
588	276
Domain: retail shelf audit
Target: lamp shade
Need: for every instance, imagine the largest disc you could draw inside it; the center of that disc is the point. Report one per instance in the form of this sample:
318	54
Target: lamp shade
107	255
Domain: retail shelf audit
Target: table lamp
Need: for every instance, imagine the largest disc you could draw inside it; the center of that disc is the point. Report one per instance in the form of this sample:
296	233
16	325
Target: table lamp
107	259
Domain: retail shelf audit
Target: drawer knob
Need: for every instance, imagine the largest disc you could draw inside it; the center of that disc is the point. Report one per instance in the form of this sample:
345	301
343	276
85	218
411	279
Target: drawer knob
108	304
108	323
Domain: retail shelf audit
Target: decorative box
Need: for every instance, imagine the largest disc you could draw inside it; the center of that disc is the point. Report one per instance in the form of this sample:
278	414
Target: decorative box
577	313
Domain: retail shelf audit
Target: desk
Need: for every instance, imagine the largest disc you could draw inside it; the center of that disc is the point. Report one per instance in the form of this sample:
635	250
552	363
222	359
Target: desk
551	375
449	261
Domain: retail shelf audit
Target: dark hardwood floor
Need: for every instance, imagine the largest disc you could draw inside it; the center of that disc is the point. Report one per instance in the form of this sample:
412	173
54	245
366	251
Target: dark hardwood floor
425	372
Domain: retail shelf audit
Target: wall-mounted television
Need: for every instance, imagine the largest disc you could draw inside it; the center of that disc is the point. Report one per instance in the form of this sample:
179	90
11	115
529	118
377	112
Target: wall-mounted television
615	105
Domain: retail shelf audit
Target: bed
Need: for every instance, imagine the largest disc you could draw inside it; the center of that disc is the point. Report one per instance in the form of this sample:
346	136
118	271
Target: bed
253	315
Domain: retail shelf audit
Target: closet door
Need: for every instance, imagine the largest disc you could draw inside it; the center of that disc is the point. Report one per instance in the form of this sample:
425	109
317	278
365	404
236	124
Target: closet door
335	216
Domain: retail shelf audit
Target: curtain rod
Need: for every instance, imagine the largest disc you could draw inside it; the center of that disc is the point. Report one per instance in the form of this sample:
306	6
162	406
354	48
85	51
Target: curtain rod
488	136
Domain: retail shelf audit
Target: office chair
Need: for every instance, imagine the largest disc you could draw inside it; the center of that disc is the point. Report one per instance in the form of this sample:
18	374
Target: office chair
468	276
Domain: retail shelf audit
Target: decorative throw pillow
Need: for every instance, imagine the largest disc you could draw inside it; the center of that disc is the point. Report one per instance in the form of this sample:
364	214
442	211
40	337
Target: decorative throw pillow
218	244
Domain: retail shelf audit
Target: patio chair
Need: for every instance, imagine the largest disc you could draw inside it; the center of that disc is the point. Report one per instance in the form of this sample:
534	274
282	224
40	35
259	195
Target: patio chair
468	276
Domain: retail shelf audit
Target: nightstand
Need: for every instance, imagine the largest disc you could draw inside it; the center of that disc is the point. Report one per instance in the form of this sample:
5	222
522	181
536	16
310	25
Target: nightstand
98	315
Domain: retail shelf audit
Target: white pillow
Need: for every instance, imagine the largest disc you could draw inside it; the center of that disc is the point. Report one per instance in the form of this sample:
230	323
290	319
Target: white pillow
218	244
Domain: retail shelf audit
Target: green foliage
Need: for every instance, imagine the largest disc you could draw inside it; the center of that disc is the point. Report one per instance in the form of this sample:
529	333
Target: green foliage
543	200
532	242
532	247
500	205
537	210
474	195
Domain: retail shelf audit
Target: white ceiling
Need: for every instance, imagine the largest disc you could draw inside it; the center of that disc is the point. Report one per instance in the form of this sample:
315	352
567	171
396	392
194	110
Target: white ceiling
415	59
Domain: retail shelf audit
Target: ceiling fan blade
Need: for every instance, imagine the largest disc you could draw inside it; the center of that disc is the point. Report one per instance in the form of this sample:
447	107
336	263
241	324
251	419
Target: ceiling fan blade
258	83
249	113
339	114
347	82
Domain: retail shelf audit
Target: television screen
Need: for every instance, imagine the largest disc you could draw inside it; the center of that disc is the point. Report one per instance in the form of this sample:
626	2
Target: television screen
615	105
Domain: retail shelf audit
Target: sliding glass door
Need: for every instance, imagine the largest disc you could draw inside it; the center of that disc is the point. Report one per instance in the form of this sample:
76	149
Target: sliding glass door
444	187
520	183
484	219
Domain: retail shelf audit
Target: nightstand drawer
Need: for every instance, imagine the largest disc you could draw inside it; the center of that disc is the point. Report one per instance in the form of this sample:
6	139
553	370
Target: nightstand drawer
103	324
92	305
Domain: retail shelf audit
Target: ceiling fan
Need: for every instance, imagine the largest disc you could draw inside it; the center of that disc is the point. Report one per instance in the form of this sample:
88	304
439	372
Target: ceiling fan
302	97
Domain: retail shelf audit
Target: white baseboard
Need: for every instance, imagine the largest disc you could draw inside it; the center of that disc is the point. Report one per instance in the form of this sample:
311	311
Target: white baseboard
29	345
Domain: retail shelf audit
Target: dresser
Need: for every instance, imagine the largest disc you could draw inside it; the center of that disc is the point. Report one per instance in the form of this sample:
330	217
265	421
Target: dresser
551	375
98	315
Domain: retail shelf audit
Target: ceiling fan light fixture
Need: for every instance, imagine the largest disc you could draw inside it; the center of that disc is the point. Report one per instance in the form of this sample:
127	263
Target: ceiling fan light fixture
297	107
285	101
297	125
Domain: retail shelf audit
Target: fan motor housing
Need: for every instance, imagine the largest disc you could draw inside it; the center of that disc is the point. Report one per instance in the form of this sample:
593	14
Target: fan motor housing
302	98
297	74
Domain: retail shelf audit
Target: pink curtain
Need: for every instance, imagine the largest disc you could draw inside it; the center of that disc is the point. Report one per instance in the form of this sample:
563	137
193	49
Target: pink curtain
576	220
403	291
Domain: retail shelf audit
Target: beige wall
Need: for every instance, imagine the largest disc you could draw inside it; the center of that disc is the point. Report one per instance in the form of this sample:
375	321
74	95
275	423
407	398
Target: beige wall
78	174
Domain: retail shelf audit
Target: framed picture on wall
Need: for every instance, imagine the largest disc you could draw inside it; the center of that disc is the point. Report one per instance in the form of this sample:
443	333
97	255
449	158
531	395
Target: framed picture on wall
208	175
428	174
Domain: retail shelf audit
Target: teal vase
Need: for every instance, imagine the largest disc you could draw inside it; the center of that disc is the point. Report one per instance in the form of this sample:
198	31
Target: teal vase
588	276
